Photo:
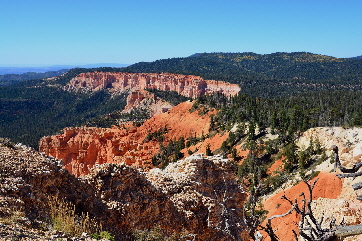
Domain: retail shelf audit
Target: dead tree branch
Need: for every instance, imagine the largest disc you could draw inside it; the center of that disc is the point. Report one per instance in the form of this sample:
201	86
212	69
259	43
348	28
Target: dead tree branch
309	227
338	164
348	172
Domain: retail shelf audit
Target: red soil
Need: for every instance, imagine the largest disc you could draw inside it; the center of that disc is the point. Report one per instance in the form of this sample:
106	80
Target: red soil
327	186
275	166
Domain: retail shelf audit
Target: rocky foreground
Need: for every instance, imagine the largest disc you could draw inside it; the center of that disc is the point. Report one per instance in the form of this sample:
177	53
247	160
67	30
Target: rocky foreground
198	196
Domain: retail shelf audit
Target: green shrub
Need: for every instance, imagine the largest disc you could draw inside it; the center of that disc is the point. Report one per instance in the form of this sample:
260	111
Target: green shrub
157	234
208	150
102	235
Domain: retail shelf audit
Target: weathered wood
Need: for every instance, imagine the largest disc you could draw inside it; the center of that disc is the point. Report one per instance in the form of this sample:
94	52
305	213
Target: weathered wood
281	215
357	186
349	175
359	198
355	167
338	164
345	231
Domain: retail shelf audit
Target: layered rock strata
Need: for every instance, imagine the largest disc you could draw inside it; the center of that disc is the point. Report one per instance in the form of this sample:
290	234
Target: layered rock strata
187	85
197	195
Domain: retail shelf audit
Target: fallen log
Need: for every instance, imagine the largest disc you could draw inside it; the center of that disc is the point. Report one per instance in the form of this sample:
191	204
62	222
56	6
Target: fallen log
345	231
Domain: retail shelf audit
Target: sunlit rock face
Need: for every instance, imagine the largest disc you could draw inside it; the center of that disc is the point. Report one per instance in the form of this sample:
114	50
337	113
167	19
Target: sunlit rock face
187	85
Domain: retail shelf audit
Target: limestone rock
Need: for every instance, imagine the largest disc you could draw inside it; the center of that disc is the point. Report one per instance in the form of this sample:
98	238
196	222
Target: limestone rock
348	141
332	197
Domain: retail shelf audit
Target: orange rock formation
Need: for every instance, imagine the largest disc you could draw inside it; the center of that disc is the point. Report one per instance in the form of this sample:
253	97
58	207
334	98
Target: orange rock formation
83	147
186	85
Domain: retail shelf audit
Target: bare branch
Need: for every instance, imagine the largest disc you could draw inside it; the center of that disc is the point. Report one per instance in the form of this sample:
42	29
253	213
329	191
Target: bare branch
357	174
338	164
345	231
281	215
357	186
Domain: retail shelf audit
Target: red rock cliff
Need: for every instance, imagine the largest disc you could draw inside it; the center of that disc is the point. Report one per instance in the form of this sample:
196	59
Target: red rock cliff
83	147
186	85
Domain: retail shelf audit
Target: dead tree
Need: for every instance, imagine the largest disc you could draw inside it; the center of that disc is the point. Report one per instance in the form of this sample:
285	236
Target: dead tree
251	218
354	172
309	227
348	172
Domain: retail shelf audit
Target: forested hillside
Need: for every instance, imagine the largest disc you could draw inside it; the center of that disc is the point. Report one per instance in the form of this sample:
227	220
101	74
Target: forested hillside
267	75
283	95
8	79
32	109
27	114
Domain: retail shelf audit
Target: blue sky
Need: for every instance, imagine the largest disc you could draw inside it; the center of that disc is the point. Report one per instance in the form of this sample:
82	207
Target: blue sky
47	32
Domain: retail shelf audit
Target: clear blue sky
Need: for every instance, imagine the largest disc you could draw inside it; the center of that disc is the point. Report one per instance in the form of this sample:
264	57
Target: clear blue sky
51	32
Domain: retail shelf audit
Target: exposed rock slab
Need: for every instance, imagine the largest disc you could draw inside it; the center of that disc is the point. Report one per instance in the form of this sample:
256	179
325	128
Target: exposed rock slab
328	186
348	140
349	143
333	197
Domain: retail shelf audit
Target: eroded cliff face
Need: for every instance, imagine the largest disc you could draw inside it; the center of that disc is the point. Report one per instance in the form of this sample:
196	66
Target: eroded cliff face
186	85
198	195
82	147
139	99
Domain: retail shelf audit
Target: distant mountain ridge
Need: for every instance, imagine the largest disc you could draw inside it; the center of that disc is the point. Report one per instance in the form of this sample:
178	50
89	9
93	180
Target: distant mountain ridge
41	69
8	79
266	75
12	75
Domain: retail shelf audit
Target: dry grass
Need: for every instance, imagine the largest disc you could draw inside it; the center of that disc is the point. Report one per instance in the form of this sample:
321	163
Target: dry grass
12	216
63	217
157	234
